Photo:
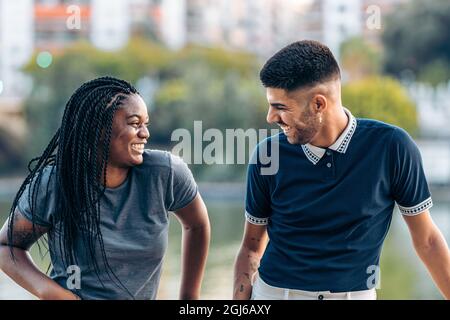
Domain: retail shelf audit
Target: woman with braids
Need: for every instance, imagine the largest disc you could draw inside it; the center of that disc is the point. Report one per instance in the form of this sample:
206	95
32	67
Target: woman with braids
103	200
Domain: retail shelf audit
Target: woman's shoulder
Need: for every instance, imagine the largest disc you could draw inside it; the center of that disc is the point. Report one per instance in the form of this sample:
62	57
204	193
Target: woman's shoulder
163	160
156	158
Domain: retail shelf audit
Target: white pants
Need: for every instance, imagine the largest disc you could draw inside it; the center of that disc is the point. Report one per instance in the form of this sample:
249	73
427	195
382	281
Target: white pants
263	291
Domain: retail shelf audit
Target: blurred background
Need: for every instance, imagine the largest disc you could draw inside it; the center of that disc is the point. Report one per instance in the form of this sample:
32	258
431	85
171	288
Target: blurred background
199	60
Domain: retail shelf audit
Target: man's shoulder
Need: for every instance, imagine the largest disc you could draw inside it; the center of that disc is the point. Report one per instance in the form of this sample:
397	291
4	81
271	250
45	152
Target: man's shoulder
392	134
276	138
265	146
373	124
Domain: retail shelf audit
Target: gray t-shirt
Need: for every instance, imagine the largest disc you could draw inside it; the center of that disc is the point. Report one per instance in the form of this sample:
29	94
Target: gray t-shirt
134	224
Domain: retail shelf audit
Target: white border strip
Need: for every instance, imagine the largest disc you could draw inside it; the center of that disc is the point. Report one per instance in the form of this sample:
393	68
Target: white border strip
255	220
415	210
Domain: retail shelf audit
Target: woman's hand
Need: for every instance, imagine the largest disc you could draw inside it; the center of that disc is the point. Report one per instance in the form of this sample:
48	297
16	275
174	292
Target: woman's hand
58	293
22	269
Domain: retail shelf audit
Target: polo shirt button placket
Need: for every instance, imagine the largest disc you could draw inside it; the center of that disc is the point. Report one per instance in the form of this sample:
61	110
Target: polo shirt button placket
320	297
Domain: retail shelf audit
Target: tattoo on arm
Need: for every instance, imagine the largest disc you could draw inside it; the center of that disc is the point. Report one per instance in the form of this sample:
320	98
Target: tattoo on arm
23	236
24	239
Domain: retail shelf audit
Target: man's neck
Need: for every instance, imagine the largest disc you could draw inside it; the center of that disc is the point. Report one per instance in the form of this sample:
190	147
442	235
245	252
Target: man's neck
335	123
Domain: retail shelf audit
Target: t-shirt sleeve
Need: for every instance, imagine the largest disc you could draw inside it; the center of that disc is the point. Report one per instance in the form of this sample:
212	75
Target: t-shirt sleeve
182	188
409	184
43	211
257	200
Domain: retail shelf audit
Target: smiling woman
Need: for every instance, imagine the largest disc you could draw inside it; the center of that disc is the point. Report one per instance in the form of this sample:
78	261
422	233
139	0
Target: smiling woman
103	202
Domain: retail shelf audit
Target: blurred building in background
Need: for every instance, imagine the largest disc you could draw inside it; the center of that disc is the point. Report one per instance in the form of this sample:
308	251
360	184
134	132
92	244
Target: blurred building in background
258	26
16	45
51	32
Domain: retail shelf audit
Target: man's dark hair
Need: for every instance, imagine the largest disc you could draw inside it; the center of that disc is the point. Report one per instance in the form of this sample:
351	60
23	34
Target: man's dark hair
78	155
300	64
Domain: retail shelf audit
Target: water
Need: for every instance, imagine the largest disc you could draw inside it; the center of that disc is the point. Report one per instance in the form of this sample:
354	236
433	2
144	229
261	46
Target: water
403	276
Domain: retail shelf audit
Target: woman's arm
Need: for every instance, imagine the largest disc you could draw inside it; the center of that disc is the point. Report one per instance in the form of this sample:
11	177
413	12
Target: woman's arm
22	269
196	235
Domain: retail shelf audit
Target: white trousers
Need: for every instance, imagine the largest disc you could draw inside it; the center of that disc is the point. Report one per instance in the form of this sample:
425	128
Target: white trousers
263	291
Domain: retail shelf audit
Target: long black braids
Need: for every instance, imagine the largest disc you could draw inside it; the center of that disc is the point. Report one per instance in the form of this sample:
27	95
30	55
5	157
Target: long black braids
78	154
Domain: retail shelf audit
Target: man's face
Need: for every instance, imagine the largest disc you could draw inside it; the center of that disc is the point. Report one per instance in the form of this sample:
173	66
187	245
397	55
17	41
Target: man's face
129	133
295	113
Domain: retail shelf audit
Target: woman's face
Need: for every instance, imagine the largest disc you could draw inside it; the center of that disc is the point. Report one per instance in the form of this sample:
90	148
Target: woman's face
129	133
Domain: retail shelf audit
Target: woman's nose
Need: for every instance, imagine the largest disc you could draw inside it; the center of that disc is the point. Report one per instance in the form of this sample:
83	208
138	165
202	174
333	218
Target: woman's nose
143	132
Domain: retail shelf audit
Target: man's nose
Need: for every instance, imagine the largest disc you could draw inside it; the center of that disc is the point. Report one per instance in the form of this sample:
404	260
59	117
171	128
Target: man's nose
272	115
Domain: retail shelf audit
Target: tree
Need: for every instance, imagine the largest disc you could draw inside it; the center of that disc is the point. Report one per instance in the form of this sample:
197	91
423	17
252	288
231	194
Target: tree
359	59
81	62
383	99
417	40
214	85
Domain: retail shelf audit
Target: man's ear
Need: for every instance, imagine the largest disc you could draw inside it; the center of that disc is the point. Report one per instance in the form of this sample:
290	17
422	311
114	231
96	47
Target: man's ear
320	103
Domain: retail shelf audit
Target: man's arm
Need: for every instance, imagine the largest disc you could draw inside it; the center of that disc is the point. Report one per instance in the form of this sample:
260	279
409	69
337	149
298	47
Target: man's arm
23	270
247	262
432	249
196	236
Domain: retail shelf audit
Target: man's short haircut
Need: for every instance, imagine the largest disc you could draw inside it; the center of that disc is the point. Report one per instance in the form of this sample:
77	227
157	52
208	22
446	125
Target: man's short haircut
300	64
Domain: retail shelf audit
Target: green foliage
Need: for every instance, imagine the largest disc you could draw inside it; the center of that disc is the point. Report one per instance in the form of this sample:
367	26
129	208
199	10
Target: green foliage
383	99
10	153
398	279
435	72
214	85
415	37
359	59
221	88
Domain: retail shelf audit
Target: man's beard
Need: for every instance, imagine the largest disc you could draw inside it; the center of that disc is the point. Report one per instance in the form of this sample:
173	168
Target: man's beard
302	136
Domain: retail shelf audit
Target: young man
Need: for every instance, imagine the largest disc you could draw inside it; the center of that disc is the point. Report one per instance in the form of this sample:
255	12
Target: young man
328	208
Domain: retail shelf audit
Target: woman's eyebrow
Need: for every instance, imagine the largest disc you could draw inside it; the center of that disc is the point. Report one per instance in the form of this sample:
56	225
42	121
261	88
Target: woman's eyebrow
135	115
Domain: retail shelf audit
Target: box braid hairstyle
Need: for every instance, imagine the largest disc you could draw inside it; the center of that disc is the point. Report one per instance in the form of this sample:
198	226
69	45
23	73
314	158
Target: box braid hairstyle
78	153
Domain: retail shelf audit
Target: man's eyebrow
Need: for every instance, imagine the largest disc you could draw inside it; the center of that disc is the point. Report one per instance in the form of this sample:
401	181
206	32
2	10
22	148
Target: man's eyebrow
276	104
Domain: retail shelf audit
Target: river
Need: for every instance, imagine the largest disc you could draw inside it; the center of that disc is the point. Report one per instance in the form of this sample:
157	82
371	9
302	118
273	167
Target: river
402	274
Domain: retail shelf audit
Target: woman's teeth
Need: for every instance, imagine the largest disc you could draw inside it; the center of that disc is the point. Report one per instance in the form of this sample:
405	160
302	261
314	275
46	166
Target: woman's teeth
139	147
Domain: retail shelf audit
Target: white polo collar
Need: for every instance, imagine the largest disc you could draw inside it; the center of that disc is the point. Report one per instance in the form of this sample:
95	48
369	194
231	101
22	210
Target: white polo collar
314	154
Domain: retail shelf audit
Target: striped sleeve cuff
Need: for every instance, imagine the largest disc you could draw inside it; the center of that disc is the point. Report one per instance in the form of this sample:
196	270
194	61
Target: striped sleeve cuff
415	210
255	220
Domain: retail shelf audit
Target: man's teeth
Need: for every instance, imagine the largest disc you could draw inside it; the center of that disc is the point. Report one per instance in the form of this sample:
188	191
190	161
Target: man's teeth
137	146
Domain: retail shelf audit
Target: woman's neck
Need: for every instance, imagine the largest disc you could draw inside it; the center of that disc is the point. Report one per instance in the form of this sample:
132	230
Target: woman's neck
115	176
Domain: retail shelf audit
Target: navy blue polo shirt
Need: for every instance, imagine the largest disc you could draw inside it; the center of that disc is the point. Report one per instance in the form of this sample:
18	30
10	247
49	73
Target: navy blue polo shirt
328	211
